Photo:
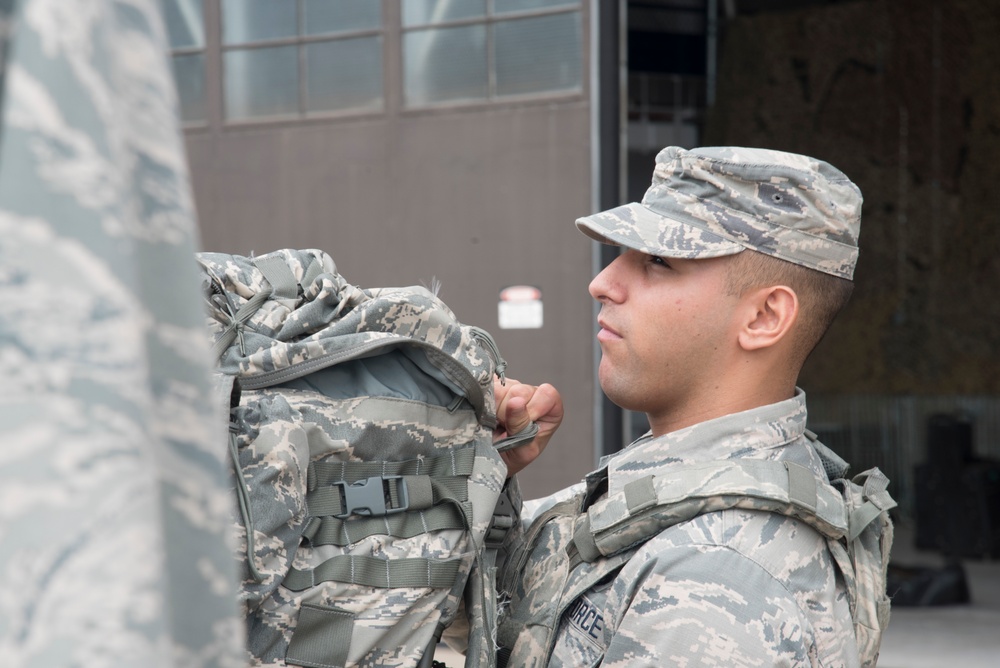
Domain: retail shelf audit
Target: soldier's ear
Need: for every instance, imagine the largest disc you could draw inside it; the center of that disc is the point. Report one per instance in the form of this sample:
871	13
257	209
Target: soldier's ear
768	316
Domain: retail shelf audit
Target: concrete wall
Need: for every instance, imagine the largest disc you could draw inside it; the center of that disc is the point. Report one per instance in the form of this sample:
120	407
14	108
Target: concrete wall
479	198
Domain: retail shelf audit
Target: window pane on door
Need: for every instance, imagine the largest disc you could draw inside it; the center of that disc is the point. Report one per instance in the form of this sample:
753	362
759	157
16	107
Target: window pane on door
344	74
185	21
538	54
255	20
508	6
323	17
189	74
444	64
261	82
424	12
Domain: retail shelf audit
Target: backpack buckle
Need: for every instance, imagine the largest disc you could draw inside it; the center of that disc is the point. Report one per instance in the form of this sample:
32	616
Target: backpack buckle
368	496
502	521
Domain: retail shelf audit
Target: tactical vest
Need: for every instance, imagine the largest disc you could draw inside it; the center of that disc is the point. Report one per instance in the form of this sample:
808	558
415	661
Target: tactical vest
852	516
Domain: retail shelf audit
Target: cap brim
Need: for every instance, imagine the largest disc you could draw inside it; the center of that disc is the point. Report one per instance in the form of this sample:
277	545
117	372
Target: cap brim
634	226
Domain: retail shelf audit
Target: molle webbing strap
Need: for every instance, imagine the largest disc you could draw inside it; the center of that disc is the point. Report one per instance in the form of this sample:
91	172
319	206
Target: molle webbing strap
279	275
583	547
449	464
348	501
639	495
322	637
802	488
411	492
335	531
379	573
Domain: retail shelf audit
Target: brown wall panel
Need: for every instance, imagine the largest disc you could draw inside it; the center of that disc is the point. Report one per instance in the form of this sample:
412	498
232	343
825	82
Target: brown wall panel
903	96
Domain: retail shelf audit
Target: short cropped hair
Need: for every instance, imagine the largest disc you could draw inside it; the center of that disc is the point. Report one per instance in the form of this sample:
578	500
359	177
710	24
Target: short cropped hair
821	296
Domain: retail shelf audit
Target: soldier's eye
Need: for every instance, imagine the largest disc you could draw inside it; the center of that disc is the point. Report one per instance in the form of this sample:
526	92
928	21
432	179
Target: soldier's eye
656	259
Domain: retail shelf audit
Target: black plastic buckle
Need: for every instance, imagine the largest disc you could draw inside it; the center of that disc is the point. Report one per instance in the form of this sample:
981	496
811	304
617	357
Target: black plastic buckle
368	497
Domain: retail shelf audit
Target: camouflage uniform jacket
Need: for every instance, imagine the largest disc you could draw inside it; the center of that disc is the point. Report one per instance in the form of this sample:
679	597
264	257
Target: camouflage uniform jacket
733	587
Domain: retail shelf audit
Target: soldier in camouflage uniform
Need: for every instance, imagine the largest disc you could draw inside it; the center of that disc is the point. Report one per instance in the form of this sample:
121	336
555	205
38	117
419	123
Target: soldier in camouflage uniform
734	264
114	487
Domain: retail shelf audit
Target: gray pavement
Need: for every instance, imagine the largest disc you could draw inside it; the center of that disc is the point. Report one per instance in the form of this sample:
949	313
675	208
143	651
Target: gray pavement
960	636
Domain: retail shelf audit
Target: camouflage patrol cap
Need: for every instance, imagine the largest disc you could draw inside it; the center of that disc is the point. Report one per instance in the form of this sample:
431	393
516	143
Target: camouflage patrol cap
715	201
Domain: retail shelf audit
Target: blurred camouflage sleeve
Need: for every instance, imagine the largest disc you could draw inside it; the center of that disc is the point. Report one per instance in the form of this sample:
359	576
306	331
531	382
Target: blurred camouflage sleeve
114	501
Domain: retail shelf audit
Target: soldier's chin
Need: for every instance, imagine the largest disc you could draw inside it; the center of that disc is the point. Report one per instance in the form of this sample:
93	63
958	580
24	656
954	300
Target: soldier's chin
616	390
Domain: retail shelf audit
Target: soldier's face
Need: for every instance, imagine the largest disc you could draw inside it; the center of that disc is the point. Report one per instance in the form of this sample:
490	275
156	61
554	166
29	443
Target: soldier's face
667	326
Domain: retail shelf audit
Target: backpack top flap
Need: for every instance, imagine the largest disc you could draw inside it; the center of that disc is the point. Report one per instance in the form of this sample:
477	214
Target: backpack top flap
290	313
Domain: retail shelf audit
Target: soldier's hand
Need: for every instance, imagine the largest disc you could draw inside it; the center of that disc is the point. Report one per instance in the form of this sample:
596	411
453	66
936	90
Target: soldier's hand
519	404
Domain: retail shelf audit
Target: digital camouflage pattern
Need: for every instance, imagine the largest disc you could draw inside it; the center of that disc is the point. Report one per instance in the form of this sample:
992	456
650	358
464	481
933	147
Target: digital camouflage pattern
114	499
319	316
731	580
716	201
345	385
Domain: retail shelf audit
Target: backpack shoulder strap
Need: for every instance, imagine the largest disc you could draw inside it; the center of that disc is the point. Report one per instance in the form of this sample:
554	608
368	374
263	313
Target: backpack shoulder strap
650	504
863	558
874	500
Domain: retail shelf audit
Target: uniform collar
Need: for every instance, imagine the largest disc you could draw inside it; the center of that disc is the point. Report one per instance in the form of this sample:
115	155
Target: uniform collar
748	434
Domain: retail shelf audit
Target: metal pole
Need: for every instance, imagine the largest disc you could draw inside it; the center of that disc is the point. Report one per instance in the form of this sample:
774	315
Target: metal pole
607	45
711	43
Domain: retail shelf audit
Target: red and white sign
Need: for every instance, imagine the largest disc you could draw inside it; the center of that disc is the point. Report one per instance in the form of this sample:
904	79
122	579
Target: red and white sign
520	307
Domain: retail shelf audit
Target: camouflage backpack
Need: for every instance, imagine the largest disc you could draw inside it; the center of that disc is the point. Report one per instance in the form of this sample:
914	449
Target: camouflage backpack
852	515
361	434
